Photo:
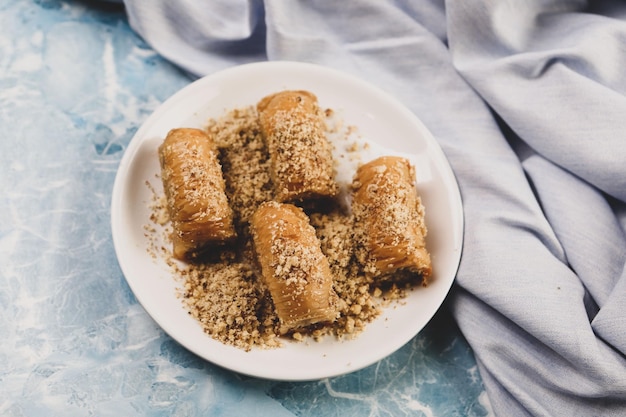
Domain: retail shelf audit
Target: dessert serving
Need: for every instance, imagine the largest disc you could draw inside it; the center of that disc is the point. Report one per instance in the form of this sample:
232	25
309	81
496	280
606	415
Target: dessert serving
214	300
389	219
270	249
195	192
293	266
301	158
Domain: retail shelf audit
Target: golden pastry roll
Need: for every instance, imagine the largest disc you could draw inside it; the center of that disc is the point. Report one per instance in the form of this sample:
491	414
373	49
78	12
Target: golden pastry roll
389	220
195	191
293	266
301	158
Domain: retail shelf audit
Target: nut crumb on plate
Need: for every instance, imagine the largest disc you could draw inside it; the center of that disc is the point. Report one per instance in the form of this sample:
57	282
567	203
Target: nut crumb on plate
224	291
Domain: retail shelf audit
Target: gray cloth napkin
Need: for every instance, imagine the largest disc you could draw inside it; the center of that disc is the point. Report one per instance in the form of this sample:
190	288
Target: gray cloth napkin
527	99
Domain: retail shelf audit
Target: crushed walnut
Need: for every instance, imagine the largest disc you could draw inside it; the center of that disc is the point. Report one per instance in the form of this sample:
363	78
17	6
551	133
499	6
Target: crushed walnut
225	292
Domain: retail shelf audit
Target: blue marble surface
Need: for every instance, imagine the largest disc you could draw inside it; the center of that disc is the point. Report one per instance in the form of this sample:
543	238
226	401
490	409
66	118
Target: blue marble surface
75	84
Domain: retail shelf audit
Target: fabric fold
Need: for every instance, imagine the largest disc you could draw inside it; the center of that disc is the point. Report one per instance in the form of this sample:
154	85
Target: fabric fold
547	65
201	37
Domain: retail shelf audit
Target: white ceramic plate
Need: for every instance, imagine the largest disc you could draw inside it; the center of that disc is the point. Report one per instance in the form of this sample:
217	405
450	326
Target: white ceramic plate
382	121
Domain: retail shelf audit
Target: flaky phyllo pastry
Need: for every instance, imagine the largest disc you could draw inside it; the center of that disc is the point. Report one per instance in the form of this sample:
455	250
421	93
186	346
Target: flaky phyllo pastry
195	192
293	266
300	155
258	266
389	220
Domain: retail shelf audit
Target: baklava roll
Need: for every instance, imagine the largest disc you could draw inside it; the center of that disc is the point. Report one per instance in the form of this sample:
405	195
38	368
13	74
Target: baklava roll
293	266
195	192
301	158
389	220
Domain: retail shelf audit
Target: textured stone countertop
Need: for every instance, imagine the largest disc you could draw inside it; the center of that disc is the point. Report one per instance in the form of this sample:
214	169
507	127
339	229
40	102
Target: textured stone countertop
75	84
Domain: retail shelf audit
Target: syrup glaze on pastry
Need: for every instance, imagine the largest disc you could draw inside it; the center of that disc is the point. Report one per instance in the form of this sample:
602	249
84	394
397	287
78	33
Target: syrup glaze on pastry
301	156
389	220
195	192
293	266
